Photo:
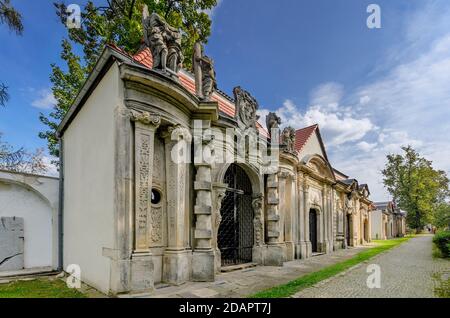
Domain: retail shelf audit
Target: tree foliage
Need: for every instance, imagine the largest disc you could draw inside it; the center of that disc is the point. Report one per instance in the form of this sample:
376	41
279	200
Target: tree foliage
13	20
441	216
10	16
20	160
415	185
4	95
119	22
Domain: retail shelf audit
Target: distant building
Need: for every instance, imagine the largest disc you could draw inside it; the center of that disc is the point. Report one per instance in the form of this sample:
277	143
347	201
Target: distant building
387	221
28	222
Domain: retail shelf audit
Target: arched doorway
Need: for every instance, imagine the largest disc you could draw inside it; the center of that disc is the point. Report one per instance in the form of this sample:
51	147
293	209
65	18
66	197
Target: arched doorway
313	230
348	233
235	236
366	230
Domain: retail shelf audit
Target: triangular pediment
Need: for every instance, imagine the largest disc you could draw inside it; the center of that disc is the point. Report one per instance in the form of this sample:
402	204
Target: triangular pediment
313	146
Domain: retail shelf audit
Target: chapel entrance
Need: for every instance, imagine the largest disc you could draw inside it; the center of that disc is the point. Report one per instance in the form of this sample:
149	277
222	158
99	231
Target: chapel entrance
366	230
348	230
313	230
235	236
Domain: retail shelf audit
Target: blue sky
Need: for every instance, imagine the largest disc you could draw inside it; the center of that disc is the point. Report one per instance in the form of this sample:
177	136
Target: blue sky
313	61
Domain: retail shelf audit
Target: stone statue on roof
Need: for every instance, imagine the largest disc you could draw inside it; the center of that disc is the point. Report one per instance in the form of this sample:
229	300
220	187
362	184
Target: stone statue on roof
272	122
288	140
164	42
205	75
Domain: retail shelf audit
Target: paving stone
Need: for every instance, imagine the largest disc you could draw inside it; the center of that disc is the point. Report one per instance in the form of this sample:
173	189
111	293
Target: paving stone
205	293
406	272
248	281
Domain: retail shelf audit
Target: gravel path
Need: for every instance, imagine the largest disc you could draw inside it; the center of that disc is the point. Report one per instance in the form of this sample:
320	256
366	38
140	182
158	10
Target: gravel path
406	272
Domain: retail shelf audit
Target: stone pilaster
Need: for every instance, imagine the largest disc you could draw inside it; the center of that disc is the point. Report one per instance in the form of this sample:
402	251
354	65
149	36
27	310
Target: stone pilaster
275	248
176	258
300	248
306	207
203	264
286	209
145	125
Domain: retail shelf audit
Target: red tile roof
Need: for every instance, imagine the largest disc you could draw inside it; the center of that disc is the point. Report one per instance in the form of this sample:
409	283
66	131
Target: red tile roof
144	56
302	136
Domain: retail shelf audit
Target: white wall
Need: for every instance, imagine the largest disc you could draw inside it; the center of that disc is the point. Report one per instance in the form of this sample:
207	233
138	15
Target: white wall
33	198
312	147
89	183
376	218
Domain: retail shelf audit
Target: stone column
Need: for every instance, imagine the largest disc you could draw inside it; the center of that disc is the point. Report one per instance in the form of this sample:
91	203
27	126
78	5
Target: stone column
176	257
144	140
286	212
330	219
275	250
203	264
301	247
306	208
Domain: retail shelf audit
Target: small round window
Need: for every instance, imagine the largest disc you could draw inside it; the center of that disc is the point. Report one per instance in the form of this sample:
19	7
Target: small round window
156	196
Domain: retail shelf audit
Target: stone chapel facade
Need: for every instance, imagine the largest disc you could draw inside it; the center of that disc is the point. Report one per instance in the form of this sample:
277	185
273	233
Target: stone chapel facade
135	214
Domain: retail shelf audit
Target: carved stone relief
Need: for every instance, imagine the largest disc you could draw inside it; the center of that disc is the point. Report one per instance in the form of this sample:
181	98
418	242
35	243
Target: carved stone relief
258	220
246	107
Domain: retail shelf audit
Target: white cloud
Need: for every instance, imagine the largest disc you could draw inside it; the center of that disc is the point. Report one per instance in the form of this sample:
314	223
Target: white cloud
337	124
365	146
45	100
364	100
327	95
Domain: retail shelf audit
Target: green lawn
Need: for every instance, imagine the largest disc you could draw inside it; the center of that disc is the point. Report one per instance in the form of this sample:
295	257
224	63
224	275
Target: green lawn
38	288
308	280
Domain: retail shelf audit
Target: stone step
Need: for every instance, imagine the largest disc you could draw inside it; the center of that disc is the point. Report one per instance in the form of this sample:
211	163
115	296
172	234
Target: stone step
233	268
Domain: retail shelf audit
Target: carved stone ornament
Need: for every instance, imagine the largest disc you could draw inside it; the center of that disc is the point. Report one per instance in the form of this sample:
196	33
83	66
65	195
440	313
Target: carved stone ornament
288	140
146	118
178	133
164	42
272	122
220	195
205	73
258	225
246	107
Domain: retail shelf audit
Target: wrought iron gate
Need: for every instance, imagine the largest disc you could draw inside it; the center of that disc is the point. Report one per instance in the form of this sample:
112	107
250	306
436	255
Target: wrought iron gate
235	237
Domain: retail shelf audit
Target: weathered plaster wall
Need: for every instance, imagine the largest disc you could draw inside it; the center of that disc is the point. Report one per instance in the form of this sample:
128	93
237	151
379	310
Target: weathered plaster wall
35	199
312	147
89	183
376	218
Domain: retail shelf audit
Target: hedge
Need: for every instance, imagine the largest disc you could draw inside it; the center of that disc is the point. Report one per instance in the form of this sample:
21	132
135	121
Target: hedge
442	241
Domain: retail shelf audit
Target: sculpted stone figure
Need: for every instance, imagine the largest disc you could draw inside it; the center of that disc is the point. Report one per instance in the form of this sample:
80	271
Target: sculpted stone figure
288	140
246	107
205	73
272	121
164	42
